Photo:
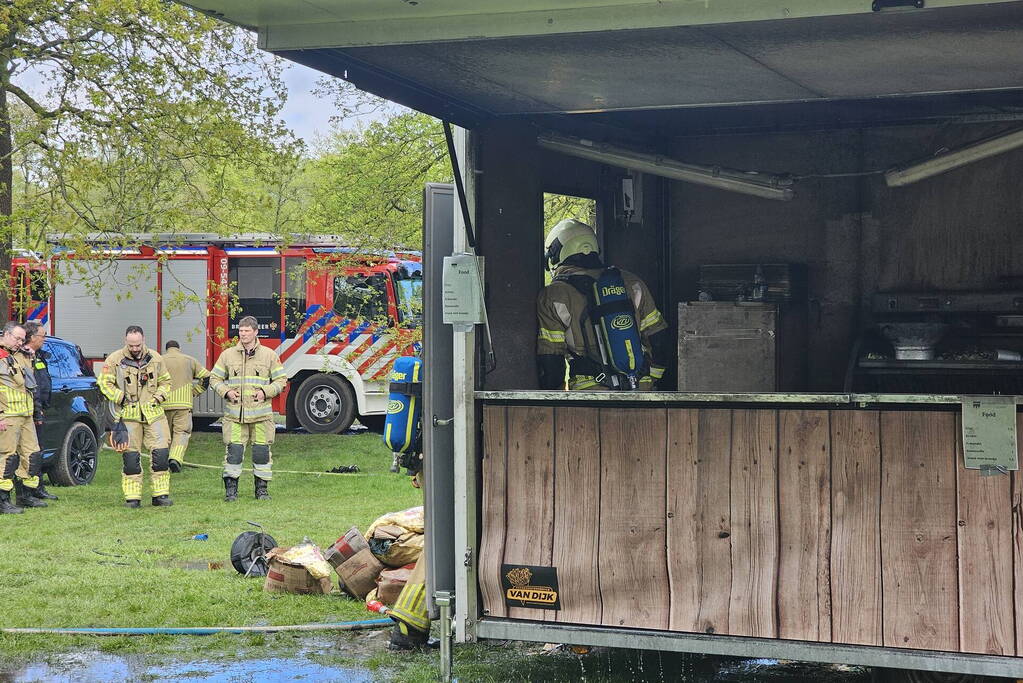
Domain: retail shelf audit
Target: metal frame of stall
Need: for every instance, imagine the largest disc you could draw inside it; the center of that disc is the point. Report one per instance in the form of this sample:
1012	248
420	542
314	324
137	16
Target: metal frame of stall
469	622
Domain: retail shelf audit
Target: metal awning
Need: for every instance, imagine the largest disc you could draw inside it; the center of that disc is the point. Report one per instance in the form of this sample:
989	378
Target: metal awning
467	60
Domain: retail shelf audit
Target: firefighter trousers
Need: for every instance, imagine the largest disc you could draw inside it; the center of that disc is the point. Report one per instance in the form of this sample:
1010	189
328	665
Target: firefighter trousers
237	435
19	453
153	438
180	422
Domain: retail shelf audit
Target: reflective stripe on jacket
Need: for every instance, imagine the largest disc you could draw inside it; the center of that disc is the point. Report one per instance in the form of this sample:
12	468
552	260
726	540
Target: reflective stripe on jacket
16	385
245	372
187	376
137	388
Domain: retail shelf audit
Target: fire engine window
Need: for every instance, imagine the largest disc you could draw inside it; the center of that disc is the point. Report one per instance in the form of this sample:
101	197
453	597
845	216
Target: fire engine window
258	286
31	290
361	297
38	285
410	299
294	296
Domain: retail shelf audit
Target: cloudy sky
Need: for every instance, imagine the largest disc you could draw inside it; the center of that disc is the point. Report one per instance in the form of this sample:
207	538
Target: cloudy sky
305	113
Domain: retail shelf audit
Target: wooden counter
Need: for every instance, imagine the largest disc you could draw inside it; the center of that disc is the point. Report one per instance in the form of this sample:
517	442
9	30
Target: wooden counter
843	525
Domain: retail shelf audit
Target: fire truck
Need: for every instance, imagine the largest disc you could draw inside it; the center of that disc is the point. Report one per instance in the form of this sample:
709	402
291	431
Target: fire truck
337	317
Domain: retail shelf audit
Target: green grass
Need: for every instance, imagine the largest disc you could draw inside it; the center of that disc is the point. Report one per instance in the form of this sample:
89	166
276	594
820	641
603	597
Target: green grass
88	561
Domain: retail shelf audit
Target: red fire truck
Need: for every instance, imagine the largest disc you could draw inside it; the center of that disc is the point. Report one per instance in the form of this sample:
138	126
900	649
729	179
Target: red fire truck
337	317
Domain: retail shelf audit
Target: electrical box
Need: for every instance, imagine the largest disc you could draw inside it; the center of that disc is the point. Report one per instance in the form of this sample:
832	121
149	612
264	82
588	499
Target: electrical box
463	291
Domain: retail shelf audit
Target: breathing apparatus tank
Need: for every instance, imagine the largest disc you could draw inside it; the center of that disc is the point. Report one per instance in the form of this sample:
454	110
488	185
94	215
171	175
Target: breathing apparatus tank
404	421
615	319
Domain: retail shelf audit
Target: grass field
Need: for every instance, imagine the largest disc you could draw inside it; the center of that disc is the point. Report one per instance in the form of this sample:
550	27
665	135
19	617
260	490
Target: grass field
88	561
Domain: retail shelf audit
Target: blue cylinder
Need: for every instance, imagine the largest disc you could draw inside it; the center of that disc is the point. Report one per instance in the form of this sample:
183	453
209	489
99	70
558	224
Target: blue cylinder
403	424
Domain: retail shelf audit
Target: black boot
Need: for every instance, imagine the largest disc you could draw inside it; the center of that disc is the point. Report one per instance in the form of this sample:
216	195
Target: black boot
261	493
41	493
5	505
404	638
26	499
230	489
133	504
163	501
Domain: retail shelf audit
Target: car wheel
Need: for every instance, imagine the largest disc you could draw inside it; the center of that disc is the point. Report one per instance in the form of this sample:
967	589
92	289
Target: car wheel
75	464
374	423
325	404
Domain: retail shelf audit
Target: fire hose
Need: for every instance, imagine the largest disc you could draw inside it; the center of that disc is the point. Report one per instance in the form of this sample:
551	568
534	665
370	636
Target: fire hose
205	630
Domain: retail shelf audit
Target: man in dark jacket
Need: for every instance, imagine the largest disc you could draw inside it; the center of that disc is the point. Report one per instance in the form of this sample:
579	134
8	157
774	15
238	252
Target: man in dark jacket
35	335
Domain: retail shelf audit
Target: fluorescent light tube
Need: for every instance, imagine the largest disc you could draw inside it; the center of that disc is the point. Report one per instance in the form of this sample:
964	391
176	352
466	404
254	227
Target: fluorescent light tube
757	184
897	177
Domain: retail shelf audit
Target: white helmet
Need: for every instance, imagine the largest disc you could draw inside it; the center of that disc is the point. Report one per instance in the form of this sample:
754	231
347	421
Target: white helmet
568	238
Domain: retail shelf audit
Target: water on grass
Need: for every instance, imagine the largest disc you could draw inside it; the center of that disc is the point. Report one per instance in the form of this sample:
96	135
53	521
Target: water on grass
600	665
97	667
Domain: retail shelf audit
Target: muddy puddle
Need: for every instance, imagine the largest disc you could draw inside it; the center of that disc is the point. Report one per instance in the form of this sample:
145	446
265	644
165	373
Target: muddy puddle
496	662
95	667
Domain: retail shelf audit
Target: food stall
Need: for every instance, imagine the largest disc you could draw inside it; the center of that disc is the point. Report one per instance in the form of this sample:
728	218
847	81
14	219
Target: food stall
867	154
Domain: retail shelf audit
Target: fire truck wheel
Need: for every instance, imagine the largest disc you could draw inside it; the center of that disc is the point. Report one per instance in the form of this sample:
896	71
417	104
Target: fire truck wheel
75	461
325	404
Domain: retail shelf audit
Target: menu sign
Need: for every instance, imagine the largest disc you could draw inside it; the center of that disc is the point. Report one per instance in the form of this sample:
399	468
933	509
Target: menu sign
989	433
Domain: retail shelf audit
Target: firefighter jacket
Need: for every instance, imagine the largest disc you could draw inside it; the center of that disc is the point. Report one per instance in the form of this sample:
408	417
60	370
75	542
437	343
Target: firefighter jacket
564	328
136	387
246	372
16	386
188	379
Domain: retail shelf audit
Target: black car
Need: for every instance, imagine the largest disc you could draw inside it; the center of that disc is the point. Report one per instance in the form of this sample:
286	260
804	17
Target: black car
69	435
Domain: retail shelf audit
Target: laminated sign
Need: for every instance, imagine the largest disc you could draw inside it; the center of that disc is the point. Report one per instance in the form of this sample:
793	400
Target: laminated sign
989	433
529	586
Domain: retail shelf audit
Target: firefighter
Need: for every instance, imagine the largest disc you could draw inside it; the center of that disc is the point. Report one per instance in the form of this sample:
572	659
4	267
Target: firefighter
601	319
403	435
247	376
188	379
135	380
19	449
37	358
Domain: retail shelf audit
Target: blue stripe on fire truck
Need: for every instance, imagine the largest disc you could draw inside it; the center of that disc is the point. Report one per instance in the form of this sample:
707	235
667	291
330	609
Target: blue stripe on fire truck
354	334
37	311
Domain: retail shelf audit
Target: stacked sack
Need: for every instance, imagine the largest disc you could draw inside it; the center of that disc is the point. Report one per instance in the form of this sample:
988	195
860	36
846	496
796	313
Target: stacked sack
377	565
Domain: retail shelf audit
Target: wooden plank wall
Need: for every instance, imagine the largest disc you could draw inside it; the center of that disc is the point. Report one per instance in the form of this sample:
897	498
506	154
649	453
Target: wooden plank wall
846	526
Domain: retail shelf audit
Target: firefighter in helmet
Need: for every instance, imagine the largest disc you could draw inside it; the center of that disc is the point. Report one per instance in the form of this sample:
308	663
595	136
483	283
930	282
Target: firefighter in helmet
21	461
599	318
136	382
247	376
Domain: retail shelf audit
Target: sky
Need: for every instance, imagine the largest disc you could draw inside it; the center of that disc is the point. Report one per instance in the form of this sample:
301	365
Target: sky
308	115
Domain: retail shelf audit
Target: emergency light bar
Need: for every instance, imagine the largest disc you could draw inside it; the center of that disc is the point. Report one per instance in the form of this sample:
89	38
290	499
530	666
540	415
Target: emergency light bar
763	185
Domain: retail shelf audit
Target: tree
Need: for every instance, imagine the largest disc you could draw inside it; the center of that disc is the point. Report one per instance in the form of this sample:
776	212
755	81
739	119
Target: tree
129	114
367	184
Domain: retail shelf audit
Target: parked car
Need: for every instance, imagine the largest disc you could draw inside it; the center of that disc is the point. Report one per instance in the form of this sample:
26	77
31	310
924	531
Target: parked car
71	429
